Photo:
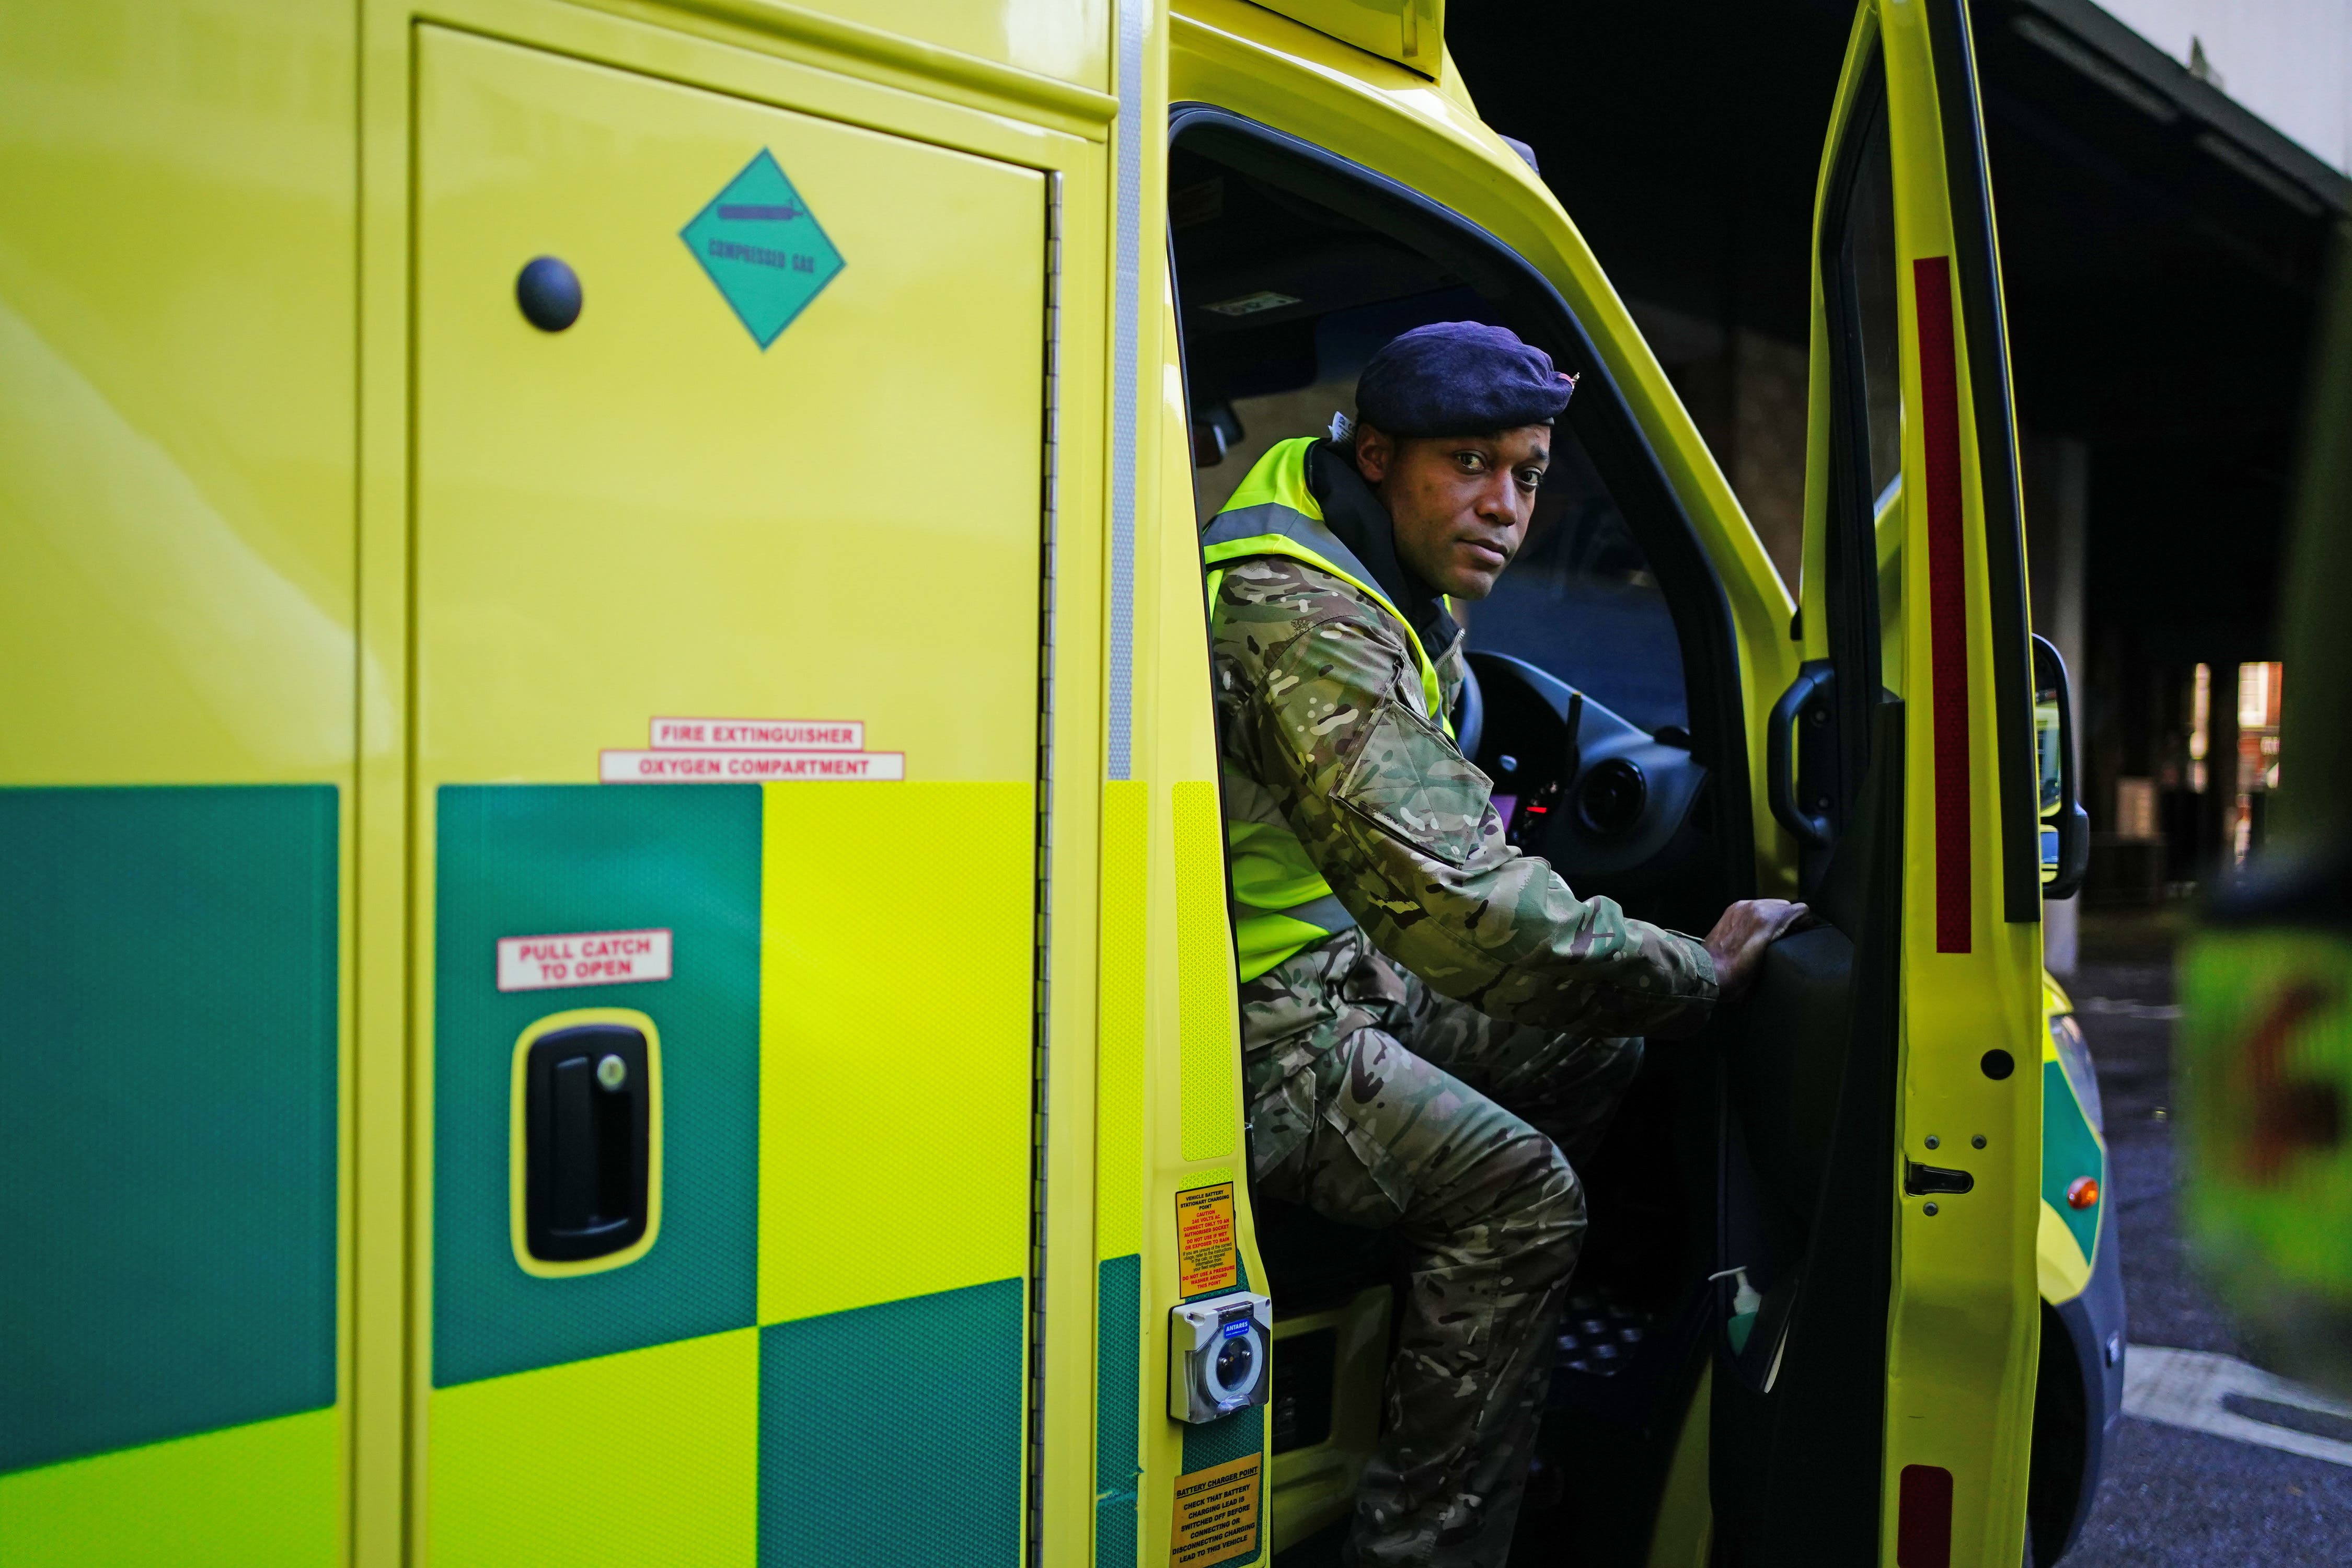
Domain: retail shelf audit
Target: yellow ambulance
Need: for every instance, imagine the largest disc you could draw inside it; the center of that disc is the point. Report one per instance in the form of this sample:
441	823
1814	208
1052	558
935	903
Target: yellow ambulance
614	943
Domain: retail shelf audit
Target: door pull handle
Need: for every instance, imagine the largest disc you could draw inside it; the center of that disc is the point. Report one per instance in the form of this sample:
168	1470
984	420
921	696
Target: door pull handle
1813	829
588	1093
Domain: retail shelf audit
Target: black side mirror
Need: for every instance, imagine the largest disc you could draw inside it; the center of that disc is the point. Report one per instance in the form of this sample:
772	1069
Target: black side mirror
2066	827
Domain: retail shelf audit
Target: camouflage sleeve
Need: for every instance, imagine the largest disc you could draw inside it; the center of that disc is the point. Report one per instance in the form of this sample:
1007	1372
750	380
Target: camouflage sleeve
1401	825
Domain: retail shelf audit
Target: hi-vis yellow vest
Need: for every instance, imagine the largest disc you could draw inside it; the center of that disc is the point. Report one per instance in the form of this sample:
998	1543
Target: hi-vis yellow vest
1281	904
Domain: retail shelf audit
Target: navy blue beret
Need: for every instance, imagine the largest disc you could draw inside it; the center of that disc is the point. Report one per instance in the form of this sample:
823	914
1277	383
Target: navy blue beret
1459	378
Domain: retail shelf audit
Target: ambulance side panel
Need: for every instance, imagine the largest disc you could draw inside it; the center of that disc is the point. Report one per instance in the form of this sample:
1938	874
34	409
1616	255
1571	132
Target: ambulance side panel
332	575
180	679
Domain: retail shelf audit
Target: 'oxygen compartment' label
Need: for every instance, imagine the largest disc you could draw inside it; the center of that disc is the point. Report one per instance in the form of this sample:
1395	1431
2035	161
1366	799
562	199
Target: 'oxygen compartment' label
747	767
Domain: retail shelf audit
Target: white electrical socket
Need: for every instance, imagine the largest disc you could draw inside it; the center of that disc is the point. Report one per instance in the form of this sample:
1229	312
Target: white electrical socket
1220	1356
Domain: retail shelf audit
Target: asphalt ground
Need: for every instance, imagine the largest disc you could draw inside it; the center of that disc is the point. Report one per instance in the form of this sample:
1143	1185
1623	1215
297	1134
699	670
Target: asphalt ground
2172	1497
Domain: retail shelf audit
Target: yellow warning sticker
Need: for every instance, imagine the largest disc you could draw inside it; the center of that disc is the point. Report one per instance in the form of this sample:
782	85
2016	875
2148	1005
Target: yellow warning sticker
1205	1259
1216	1513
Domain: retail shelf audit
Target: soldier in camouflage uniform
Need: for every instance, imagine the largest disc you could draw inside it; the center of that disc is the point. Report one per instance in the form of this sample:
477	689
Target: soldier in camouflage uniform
1435	1029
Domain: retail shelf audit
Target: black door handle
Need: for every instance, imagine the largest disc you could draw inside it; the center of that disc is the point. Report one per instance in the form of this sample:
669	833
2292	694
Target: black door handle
588	1121
1811	829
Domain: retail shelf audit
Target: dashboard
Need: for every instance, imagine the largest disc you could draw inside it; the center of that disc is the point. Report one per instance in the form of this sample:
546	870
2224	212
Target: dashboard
1617	810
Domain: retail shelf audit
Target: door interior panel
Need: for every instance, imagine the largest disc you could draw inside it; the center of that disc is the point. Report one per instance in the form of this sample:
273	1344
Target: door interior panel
1798	1411
1784	1078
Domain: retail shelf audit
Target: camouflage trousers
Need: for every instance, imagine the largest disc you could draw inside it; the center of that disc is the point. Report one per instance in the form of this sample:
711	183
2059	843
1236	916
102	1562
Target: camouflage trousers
1375	1101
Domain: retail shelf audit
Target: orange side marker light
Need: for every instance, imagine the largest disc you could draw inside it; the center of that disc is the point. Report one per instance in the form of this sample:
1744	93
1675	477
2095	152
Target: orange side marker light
2083	1192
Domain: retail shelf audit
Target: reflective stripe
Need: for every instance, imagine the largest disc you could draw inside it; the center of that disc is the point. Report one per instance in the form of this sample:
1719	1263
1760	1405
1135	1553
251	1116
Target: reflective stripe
1326	914
1126	272
1274	519
1262	941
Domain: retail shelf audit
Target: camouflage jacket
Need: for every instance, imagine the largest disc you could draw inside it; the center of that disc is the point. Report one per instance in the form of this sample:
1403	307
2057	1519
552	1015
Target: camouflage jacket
1320	724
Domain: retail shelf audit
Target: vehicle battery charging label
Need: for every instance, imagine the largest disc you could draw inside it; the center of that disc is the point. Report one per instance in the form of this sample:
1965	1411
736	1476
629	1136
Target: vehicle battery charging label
1216	1513
1206	1257
583	958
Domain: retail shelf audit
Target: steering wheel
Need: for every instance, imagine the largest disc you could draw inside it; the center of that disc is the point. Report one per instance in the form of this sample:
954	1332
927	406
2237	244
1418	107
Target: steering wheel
1469	713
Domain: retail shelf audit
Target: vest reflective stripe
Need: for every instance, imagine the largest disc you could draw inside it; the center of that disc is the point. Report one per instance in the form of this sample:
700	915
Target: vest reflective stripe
1327	914
1281	903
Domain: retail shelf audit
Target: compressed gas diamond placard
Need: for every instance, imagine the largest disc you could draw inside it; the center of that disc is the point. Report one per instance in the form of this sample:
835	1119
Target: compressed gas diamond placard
763	248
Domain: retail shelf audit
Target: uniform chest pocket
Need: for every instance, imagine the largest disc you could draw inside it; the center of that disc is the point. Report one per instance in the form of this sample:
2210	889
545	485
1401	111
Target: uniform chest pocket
1409	782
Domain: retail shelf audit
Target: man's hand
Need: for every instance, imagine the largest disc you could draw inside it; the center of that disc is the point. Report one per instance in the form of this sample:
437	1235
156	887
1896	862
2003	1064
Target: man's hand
1740	938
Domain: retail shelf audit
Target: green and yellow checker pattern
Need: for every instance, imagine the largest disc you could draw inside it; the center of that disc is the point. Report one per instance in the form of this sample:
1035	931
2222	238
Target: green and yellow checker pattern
168	962
821	1360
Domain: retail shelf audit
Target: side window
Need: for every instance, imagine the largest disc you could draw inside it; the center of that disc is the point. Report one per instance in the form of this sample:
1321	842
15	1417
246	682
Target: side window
1868	262
1284	302
1859	596
1860	266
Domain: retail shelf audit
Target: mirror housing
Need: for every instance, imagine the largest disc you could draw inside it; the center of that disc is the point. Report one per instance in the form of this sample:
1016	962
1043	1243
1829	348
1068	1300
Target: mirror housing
2066	827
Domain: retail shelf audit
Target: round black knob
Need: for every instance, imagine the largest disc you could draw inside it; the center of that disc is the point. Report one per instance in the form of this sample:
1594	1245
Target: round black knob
1998	1063
1610	798
549	292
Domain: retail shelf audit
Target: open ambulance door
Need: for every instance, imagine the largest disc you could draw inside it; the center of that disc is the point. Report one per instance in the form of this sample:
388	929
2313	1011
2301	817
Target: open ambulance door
1874	1382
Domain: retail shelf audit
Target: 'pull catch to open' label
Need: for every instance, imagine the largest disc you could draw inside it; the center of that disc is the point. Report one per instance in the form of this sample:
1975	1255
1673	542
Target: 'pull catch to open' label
583	958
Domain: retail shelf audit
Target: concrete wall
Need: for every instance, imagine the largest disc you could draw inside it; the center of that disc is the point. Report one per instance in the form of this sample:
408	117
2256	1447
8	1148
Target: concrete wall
2289	61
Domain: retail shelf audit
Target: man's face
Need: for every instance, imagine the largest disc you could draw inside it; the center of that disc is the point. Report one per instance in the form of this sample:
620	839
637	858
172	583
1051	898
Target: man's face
1460	503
